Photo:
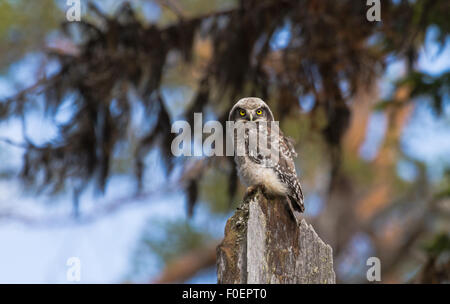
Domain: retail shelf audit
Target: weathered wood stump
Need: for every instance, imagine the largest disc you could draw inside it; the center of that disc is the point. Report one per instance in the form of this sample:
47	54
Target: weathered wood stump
264	244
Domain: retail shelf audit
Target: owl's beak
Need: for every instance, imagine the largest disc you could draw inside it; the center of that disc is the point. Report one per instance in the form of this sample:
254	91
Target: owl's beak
251	116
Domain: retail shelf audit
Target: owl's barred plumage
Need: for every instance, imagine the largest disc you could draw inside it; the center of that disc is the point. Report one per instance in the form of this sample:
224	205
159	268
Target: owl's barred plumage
275	172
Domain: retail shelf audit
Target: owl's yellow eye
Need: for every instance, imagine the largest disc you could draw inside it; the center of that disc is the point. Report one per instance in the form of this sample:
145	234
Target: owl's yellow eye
258	112
242	112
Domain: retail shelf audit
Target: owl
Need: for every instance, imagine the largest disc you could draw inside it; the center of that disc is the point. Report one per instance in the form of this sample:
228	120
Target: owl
275	175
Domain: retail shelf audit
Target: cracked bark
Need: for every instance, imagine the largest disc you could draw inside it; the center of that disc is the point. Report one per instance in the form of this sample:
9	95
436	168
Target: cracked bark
264	244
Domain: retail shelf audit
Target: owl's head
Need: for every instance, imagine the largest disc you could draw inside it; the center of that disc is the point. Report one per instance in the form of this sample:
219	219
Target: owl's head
250	109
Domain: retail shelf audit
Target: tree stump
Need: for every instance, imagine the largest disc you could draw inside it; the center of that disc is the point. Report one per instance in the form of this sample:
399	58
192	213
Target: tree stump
263	243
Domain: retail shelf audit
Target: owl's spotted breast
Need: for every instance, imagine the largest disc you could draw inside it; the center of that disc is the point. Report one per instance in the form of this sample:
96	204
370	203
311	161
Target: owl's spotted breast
252	173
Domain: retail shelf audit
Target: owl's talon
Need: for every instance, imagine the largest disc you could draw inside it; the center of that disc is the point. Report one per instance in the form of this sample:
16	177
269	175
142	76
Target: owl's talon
249	192
252	190
266	192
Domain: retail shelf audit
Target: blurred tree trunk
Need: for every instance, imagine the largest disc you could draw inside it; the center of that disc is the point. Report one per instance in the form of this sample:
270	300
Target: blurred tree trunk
264	244
379	197
348	209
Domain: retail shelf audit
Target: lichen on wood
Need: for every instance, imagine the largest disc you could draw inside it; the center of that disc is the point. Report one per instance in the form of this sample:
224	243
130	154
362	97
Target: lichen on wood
264	243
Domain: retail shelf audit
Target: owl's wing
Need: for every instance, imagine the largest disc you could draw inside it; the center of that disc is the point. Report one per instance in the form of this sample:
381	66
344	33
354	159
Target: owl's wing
285	170
284	167
287	146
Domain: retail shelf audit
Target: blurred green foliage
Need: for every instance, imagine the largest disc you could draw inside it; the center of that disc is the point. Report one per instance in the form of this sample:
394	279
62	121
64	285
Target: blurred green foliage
165	240
24	26
439	244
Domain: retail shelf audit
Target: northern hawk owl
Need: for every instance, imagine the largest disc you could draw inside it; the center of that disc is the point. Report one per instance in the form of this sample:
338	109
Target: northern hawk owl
276	175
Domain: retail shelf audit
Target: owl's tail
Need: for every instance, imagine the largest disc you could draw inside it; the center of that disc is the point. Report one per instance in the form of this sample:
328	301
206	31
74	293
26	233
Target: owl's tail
295	201
296	204
296	195
295	208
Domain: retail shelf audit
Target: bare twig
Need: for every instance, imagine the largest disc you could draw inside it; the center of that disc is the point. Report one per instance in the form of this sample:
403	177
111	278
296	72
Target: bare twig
174	7
189	264
67	220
